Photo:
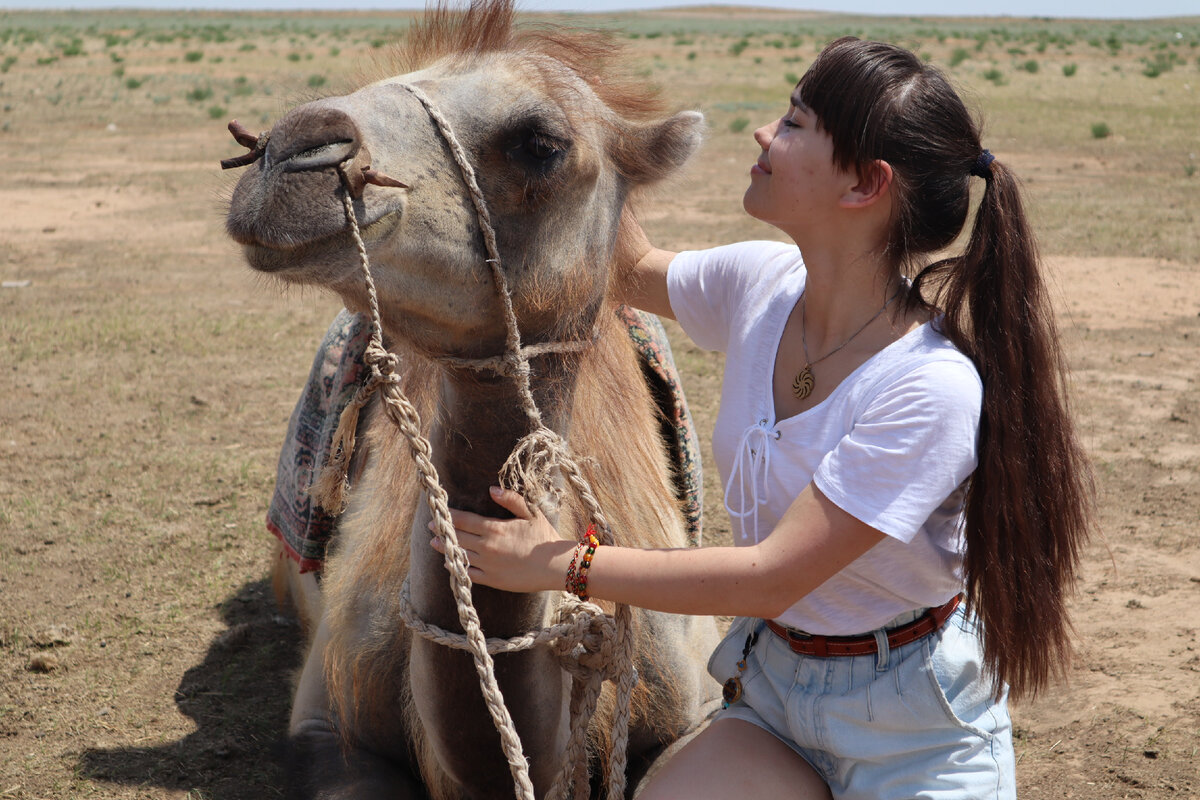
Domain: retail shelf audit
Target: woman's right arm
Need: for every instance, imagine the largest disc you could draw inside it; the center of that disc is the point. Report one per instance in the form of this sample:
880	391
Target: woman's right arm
645	266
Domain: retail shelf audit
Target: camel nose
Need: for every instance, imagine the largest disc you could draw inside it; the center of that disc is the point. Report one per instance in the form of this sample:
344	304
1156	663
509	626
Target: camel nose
313	137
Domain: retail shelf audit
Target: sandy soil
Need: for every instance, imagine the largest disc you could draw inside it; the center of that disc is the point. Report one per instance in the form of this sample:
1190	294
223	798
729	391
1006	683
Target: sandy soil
148	379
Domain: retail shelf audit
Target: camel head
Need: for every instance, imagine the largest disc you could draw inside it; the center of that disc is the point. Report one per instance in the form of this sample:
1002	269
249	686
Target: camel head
558	143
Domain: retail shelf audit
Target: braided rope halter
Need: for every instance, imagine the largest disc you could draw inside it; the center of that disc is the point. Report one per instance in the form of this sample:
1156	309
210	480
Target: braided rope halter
592	645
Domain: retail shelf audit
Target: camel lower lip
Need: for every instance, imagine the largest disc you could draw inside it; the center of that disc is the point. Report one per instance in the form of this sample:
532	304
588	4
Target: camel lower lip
272	257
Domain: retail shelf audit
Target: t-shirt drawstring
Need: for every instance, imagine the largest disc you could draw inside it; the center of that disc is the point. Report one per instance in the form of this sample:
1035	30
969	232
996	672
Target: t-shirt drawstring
750	465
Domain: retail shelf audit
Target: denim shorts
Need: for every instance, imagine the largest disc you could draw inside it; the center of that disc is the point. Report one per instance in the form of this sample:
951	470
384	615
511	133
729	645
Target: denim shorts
916	721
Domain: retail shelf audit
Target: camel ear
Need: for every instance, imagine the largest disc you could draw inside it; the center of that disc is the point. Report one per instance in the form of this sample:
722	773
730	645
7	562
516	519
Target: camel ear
645	153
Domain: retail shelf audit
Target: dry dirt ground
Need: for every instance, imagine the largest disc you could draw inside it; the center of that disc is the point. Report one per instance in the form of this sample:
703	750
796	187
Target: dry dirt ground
147	379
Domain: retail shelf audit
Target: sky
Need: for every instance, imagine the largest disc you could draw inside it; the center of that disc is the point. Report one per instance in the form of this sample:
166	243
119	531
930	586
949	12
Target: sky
1103	9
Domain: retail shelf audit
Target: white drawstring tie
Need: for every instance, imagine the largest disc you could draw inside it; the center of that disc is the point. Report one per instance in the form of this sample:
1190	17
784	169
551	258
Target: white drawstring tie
751	463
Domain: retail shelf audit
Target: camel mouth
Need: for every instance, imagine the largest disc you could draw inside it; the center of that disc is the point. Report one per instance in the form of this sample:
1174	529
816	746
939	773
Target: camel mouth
281	257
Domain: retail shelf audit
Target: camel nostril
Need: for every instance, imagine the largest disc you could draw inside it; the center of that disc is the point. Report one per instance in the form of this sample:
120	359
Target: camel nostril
320	156
313	137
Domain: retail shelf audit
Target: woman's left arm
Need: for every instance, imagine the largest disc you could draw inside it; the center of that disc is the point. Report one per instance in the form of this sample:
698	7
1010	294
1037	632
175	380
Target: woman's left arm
812	542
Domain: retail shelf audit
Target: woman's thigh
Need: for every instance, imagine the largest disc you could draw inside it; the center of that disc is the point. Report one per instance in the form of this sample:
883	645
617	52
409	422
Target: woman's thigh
734	758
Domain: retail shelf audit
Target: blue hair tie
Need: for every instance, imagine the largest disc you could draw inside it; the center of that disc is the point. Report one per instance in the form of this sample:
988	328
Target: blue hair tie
982	168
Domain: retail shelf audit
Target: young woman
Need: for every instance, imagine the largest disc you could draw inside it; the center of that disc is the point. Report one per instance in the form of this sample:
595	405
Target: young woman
893	436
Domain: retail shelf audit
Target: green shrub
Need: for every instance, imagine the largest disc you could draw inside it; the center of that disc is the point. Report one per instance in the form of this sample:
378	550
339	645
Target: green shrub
247	47
737	47
316	81
199	94
8	62
1100	130
192	56
1161	63
994	75
1070	69
216	112
1030	66
293	56
959	55
791	78
133	83
738	125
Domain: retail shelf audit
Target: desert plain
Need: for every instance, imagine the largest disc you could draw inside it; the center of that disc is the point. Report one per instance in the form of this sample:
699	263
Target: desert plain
148	376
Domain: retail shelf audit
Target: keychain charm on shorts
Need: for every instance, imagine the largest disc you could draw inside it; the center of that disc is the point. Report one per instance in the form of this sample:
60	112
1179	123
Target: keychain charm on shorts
731	691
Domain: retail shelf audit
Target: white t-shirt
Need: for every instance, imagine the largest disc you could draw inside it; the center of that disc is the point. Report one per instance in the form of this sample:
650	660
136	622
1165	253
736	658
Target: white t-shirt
891	445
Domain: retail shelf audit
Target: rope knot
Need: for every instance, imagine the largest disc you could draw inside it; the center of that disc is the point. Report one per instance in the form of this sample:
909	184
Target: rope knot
590	648
529	469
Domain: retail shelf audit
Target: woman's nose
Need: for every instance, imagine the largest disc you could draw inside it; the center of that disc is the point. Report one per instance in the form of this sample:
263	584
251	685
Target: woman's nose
765	134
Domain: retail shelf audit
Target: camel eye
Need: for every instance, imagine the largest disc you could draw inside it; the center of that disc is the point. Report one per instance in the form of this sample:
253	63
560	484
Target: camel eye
536	150
540	148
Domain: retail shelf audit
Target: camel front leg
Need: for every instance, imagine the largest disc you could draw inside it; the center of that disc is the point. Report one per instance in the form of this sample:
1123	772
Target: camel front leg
319	763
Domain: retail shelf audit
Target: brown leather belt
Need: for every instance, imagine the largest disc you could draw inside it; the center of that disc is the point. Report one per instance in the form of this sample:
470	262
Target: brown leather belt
823	646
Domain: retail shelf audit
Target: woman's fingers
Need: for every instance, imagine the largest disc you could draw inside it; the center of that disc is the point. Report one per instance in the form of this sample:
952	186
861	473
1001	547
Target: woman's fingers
467	541
511	501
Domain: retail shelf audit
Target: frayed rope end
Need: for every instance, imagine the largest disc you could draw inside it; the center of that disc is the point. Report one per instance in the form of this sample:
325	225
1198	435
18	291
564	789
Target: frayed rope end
331	489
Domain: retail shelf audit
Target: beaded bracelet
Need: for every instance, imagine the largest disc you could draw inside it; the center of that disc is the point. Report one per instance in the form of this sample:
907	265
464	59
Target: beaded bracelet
571	569
577	577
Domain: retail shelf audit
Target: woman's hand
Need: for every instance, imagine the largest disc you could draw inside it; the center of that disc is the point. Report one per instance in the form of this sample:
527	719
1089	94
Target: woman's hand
524	554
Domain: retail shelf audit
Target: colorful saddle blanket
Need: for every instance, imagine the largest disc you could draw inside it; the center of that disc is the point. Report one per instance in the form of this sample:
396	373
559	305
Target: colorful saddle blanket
305	529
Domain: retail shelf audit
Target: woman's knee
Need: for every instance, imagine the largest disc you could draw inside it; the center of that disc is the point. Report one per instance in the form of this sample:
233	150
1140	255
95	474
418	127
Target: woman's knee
734	758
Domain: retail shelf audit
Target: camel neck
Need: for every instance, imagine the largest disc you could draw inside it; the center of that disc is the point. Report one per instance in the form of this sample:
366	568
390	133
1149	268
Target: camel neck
481	419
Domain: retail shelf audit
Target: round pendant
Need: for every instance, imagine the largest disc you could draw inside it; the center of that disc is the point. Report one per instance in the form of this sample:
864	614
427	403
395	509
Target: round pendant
731	692
802	385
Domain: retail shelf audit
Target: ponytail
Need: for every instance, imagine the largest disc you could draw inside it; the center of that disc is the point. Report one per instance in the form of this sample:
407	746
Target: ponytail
1029	504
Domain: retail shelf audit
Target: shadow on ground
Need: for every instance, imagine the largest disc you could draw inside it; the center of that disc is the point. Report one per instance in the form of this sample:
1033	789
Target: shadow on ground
239	697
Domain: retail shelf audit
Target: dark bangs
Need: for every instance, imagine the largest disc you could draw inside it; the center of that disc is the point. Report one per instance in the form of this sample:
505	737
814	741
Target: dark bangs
854	87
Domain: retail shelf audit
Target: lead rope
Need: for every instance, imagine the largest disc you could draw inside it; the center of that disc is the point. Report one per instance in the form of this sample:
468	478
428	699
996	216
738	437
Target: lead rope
593	646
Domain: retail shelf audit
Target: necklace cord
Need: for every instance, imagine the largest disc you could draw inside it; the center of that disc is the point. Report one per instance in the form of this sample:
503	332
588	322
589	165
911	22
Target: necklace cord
804	382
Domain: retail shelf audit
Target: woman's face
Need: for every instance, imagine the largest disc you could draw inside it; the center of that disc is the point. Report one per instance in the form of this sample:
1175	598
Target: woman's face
794	184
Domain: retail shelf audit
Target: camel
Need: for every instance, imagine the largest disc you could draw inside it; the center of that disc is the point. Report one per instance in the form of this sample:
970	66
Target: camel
560	145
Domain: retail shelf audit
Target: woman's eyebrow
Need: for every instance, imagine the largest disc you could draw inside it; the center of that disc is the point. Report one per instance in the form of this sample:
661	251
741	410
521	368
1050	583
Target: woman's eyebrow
799	104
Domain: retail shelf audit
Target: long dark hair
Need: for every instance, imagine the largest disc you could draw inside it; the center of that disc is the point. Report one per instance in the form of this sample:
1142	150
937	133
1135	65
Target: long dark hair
1029	505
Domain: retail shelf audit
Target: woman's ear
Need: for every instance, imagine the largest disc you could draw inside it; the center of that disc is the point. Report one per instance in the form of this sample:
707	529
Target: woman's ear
874	183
